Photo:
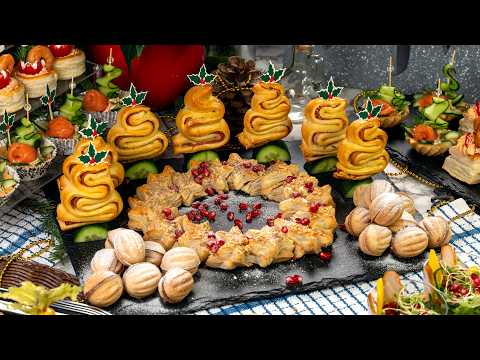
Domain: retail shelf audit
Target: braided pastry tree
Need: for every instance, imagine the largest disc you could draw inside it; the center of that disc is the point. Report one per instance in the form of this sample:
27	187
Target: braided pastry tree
325	124
200	123
268	119
362	153
87	187
136	135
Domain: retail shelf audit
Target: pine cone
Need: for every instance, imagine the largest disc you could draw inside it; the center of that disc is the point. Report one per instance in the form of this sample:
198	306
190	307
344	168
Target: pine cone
235	74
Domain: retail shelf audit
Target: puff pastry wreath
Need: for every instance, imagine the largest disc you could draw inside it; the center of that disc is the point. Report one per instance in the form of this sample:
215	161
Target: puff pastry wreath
362	153
136	135
200	123
87	194
267	120
324	127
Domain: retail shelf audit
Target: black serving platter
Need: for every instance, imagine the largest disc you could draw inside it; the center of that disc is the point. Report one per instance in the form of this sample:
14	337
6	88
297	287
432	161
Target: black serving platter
215	287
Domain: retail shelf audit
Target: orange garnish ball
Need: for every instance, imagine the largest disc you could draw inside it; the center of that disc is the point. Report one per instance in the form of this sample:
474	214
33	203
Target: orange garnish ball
60	127
19	153
94	101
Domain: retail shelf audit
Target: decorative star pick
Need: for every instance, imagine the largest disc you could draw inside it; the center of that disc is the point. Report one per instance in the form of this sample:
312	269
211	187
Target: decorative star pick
48	99
93	129
135	98
202	78
6	124
93	156
331	91
273	75
370	111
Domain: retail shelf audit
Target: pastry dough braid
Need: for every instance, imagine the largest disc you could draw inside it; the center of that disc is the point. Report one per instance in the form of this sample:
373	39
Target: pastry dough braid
200	123
324	127
117	171
268	119
362	153
136	135
87	194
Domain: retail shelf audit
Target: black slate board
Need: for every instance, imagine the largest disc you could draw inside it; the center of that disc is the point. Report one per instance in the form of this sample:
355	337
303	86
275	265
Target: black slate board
430	167
215	287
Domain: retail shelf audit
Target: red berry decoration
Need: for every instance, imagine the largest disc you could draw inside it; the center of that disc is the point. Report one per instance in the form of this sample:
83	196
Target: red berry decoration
295	194
293	280
270	221
257	168
284	229
210	191
238	223
217	201
196	205
289	179
279	215
256	213
305	221
212	215
247	165
167	211
243	206
195	172
197	180
204	213
325	256
198	217
223	207
314	208
178	233
257	206
298	220
230	216
249	217
223	196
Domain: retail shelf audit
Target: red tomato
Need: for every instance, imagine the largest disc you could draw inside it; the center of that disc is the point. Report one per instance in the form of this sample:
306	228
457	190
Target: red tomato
60	50
4	79
425	100
161	69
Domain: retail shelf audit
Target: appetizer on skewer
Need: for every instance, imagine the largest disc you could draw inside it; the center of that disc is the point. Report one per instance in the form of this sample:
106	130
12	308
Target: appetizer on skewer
35	70
267	120
69	61
200	123
463	163
12	92
325	124
430	137
9	181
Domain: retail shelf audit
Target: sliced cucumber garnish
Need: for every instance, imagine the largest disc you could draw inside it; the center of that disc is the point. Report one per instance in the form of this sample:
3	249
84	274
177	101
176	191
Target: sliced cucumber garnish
321	166
207	155
273	151
348	186
45	151
90	233
434	110
452	136
141	170
3	165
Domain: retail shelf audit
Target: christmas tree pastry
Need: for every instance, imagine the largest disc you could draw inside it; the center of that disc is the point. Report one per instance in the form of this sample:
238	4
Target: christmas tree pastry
136	135
362	153
325	124
200	123
267	120
87	188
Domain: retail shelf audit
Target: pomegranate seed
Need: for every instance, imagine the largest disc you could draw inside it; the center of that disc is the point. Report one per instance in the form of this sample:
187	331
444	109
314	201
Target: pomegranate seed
221	242
305	221
178	233
206	173
167	211
257	168
257	206
293	280
247	165
270	221
309	185
212	215
170	217
223	196
203	165
238	223
230	216
203	207
249	217
224	162
289	179
295	194
256	213
298	220
204	213
284	229
196	205
198	217
242	206
190	216
218	201
310	190
210	191
197	180
314	208
223	207
279	215
211	235
195	172
325	256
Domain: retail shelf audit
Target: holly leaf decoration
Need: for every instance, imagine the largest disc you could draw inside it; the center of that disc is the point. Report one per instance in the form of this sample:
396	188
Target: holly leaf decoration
331	91
86	132
93	157
369	106
370	111
363	114
7	122
376	110
202	78
93	129
44	100
49	97
134	97
272	75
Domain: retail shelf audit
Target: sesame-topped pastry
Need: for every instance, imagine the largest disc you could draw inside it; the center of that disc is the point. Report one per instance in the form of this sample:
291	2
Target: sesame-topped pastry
325	124
231	253
244	172
69	61
35	70
12	92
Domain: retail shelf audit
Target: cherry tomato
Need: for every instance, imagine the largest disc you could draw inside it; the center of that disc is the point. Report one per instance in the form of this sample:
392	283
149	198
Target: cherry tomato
60	50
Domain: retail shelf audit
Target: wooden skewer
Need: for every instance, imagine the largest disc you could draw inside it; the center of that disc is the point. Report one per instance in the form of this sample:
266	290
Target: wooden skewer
110	58
390	69
27	106
72	86
452	60
439	88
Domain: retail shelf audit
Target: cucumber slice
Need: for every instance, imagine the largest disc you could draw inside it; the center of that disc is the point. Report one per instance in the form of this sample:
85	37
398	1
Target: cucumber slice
321	166
46	150
386	98
31	139
434	110
3	165
23	131
25	122
207	155
7	183
387	90
452	136
90	233
141	170
457	99
272	152
449	72
348	187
